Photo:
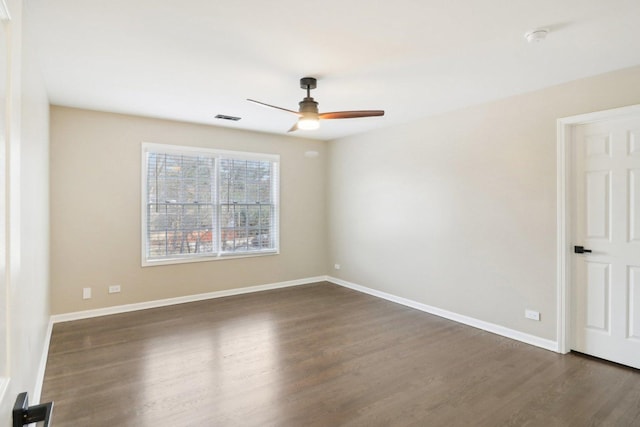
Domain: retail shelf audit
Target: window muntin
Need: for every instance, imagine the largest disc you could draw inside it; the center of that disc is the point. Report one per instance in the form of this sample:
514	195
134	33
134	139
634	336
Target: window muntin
204	204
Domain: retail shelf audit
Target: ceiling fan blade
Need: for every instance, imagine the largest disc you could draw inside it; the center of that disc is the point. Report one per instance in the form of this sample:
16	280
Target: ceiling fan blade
293	128
350	114
273	106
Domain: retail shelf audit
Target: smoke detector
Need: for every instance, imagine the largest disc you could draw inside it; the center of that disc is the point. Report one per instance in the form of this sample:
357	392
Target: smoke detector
536	36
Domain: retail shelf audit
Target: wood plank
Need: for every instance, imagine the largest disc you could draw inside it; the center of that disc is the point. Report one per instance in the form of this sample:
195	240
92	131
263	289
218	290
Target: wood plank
319	355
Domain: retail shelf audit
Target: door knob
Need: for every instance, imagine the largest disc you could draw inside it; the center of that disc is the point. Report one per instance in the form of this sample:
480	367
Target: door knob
580	250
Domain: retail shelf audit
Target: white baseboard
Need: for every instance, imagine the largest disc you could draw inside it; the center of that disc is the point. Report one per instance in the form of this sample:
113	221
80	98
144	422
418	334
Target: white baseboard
37	393
466	320
78	315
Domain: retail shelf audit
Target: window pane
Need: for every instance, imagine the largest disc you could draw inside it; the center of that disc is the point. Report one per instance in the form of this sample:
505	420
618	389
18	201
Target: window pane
247	195
157	220
204	192
265	191
180	217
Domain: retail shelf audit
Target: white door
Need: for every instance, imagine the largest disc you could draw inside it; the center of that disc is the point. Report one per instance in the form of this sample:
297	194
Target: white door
606	221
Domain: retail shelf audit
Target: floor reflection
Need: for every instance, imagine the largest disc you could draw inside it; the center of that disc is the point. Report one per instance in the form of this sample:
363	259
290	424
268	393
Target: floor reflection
224	365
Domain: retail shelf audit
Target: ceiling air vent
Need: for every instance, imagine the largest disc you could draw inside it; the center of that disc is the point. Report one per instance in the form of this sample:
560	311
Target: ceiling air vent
224	117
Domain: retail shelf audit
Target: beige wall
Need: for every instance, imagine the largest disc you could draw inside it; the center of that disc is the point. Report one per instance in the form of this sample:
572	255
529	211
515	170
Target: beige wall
458	211
26	247
95	211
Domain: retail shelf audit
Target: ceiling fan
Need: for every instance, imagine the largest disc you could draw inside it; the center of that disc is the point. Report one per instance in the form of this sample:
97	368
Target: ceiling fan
308	114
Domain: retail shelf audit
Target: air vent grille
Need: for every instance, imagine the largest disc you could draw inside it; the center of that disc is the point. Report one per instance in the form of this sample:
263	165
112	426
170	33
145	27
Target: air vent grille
225	117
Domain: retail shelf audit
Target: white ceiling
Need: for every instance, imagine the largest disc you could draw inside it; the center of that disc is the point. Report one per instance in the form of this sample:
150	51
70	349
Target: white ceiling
189	60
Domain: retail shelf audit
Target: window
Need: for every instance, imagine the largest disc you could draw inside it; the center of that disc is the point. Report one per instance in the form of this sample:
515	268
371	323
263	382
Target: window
201	204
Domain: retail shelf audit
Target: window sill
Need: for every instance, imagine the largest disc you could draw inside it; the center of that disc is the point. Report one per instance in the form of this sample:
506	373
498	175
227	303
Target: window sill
171	261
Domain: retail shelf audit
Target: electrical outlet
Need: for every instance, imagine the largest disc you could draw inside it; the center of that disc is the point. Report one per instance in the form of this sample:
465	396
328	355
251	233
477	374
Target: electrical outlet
336	266
114	289
532	314
86	293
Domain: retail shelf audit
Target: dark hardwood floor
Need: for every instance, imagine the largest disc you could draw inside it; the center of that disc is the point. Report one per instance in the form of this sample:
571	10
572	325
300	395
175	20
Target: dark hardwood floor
319	355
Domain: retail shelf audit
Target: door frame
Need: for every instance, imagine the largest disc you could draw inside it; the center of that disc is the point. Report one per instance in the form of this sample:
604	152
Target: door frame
565	210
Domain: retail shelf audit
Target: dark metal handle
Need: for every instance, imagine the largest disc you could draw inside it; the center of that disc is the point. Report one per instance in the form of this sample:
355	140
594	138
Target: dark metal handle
23	414
580	250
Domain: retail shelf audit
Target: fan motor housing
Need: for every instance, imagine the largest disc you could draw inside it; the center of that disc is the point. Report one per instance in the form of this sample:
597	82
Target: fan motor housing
308	105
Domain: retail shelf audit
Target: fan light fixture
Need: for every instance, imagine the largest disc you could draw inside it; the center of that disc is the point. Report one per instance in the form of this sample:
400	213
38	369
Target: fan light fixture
308	122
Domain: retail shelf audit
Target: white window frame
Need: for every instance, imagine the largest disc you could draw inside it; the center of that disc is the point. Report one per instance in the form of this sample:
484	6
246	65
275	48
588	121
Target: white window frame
227	154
